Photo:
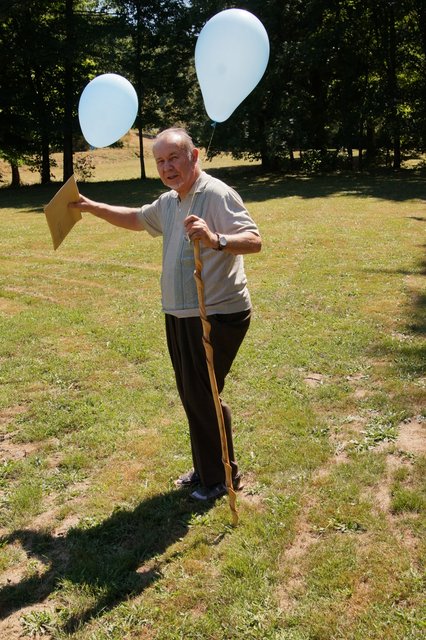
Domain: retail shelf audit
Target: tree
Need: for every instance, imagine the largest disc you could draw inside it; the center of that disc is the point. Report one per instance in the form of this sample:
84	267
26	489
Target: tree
157	60
69	55
342	74
23	126
40	84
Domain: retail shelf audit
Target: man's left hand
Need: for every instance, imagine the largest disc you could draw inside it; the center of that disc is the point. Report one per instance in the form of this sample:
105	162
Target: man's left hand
196	229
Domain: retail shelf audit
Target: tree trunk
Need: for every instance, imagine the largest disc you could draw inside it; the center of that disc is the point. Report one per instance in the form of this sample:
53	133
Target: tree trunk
43	121
397	153
421	13
45	158
141	154
16	178
393	90
388	157
266	159
139	84
360	158
371	147
68	90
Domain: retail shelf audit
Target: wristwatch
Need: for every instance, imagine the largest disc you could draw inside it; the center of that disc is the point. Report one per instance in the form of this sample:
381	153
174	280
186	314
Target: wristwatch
222	242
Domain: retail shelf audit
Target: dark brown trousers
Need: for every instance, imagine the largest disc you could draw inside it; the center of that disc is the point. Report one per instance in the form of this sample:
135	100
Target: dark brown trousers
184	340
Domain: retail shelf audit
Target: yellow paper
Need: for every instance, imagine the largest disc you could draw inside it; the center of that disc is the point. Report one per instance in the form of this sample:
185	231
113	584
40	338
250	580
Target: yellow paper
60	217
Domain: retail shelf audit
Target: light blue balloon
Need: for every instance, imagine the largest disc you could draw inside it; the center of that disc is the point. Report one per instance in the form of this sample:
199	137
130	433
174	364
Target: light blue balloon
231	56
107	109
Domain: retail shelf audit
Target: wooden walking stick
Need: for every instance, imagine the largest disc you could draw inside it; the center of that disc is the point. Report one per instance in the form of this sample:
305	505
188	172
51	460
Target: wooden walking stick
210	366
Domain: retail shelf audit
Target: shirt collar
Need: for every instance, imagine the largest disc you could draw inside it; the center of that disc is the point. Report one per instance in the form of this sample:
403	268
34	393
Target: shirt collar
198	186
200	183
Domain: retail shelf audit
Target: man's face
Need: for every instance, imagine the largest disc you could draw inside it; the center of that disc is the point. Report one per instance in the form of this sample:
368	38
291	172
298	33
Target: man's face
177	167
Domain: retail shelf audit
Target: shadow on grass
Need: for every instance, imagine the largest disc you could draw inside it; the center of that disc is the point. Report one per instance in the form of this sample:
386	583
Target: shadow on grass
257	186
410	355
415	354
254	185
108	561
124	192
418	325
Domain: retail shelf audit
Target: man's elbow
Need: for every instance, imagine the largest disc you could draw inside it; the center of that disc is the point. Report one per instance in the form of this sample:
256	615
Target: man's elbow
257	244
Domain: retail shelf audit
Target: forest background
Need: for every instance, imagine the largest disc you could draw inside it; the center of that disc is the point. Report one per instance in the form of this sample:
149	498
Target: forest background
96	543
345	86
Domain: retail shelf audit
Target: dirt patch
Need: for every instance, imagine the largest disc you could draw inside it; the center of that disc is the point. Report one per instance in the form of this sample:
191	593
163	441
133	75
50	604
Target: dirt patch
411	441
412	436
294	582
357	381
304	539
340	457
68	523
10	307
10	450
360	394
359	599
11	627
314	379
291	562
382	493
8	414
345	434
356	377
250	491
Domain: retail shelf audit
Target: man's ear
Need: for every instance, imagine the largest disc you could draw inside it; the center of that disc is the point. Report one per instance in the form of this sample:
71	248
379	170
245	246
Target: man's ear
195	155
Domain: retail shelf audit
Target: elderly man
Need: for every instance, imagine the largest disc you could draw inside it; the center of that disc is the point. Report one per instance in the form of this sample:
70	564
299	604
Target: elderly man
197	207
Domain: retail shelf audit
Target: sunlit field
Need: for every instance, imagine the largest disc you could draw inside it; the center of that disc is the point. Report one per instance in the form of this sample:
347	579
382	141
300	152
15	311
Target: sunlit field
114	163
328	395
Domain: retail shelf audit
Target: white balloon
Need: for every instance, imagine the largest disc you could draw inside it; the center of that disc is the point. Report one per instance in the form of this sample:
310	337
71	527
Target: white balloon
107	109
231	56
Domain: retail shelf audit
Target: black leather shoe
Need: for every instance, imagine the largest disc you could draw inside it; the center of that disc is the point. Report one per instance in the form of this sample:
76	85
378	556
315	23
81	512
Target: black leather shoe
188	479
215	491
203	494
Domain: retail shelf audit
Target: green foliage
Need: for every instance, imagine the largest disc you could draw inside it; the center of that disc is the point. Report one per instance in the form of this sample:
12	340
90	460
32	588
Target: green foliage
342	76
38	623
84	168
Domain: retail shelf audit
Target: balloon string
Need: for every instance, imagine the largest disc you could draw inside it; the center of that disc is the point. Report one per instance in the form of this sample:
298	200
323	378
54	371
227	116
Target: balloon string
211	138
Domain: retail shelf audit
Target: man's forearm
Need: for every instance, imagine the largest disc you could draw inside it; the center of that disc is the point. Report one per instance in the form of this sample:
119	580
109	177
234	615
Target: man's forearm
125	217
243	243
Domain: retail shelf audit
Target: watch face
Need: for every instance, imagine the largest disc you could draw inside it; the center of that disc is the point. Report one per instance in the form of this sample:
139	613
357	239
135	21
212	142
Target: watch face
222	241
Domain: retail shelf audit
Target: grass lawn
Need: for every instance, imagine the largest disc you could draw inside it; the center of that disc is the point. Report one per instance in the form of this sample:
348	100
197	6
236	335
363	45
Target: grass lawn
328	394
